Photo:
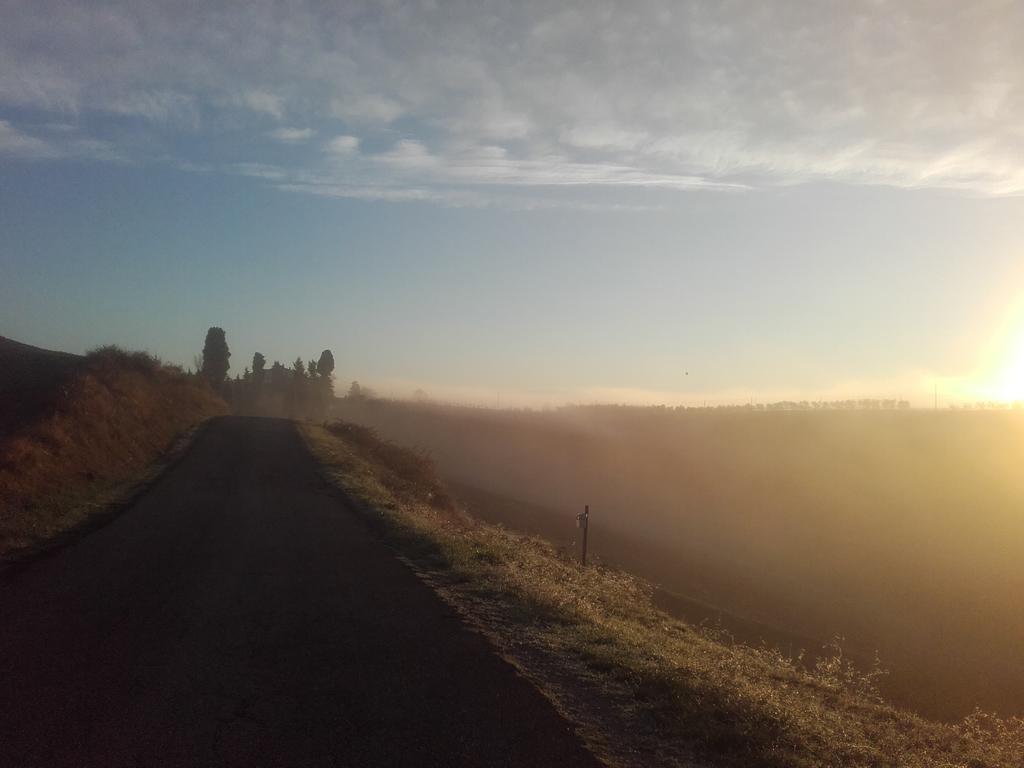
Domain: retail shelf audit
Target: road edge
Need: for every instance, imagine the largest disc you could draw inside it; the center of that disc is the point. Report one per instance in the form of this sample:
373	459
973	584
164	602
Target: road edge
108	504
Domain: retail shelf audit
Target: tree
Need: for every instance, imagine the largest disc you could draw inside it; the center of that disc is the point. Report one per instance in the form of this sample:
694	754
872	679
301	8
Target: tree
215	356
325	366
355	390
311	369
278	377
297	390
259	365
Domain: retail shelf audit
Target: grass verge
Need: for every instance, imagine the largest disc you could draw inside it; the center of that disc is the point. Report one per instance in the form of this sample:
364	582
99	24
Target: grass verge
108	430
645	689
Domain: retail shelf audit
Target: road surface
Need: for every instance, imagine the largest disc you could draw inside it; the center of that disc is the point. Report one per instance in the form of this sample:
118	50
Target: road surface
239	614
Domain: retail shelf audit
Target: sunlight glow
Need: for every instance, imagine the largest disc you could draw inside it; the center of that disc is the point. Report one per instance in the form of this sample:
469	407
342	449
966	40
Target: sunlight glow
1009	380
1003	377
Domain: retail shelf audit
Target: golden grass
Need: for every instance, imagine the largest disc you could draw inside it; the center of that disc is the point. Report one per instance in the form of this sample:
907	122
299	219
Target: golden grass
112	419
646	688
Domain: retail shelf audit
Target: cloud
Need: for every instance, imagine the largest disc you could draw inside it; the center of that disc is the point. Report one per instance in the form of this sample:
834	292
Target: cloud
14	143
260	171
263	101
342	145
492	165
292	135
64	142
409	155
87	148
677	95
602	137
368	192
371	108
157	106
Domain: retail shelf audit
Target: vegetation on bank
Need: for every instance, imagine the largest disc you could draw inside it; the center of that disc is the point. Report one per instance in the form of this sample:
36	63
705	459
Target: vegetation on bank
645	688
104	424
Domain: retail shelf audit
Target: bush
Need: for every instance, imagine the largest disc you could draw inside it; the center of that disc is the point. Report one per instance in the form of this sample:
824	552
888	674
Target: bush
111	356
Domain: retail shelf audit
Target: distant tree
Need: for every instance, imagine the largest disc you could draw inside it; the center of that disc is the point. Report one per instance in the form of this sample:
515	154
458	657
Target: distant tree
278	377
319	389
355	390
420	396
297	390
215	356
259	364
325	365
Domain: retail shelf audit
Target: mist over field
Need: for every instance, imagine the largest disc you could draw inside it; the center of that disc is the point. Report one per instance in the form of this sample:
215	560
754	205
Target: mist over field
899	530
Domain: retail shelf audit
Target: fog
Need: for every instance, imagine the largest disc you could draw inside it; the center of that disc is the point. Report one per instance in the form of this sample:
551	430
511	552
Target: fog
900	530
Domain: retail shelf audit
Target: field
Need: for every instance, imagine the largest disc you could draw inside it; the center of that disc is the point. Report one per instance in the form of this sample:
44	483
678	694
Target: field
898	531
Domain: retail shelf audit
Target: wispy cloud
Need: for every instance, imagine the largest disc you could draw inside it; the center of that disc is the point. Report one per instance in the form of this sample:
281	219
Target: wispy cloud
259	100
292	135
14	143
63	142
342	145
653	94
409	155
157	106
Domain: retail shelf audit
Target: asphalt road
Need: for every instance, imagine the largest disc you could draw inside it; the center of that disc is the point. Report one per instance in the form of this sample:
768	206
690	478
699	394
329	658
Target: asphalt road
239	614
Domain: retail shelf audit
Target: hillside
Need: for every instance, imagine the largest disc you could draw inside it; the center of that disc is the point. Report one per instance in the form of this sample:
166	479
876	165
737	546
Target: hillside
898	530
76	429
30	379
644	688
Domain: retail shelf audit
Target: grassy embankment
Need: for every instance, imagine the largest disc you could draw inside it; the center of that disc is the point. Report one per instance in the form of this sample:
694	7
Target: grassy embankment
82	433
646	688
898	530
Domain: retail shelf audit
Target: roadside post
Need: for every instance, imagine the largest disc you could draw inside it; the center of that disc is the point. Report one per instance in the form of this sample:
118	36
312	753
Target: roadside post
582	521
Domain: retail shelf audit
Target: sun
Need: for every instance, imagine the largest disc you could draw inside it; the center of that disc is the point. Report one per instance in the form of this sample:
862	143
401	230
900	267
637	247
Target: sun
1008	381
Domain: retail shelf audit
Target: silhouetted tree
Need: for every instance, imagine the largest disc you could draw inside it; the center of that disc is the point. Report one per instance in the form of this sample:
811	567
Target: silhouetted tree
259	364
278	377
297	390
215	356
325	366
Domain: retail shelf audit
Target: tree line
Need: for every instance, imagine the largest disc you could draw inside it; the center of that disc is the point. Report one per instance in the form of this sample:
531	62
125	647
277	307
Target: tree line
303	390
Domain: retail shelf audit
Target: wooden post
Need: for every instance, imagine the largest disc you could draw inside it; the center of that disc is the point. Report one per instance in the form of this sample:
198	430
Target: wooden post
582	521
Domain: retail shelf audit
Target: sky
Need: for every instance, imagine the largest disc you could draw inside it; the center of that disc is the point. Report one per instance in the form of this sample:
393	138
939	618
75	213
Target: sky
527	203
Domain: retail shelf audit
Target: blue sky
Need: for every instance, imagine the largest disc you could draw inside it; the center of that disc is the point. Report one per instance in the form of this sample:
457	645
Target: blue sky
544	202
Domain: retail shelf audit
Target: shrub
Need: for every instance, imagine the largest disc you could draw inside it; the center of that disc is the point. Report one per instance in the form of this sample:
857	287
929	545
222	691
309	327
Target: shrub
112	357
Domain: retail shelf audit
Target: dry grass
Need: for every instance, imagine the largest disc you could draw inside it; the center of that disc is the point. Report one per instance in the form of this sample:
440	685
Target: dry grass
647	689
112	418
